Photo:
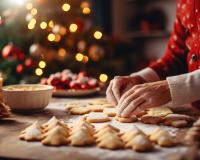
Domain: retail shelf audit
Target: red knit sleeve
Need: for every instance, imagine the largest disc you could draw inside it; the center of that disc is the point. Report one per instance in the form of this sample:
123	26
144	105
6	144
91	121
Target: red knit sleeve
174	61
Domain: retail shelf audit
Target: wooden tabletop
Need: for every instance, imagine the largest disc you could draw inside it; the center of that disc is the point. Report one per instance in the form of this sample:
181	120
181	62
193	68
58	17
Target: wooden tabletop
12	147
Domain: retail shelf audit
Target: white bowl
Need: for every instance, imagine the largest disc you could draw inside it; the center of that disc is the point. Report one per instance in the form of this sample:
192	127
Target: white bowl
27	97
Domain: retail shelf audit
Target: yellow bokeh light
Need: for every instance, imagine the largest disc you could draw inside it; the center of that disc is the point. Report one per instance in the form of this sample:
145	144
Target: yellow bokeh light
31	24
66	7
62	52
51	24
38	71
33	21
34	11
79	57
86	10
42	64
29	6
51	37
57	38
98	34
73	27
103	77
43	25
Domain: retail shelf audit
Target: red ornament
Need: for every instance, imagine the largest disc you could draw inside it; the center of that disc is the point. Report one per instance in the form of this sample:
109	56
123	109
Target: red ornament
19	68
11	51
74	85
28	62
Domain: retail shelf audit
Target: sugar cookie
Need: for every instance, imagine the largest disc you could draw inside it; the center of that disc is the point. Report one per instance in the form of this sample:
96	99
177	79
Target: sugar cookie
131	119
159	111
111	112
32	133
97	118
96	108
148	119
79	110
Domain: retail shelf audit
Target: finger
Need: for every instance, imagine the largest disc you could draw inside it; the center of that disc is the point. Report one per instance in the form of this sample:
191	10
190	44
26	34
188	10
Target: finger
116	88
109	95
127	101
125	95
132	106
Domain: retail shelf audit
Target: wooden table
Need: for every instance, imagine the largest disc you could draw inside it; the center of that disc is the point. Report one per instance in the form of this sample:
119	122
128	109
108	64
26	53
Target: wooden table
12	147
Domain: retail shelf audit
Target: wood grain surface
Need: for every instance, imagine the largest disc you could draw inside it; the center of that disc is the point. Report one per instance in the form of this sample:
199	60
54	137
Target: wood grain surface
12	147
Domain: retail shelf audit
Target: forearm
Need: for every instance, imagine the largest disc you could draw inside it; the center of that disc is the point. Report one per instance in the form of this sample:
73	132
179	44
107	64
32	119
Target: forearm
148	75
184	88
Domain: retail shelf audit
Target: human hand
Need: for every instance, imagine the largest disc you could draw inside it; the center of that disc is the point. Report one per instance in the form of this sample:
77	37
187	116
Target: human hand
120	85
143	96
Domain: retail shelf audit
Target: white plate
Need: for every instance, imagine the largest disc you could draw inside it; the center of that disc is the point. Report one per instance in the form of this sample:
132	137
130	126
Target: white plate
75	93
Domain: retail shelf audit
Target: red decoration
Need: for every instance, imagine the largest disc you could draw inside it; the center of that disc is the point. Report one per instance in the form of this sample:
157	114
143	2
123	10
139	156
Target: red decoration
28	62
12	51
80	25
19	68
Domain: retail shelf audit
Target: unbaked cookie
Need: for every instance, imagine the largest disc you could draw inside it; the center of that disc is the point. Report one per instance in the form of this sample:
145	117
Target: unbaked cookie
111	112
32	133
93	117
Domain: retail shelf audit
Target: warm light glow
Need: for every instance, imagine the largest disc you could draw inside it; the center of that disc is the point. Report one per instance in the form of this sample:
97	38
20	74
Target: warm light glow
57	38
85	59
42	64
29	6
43	25
62	52
38	72
51	37
85	5
103	77
73	27
33	21
86	10
34	11
79	57
51	24
66	7
98	35
20	2
63	30
31	25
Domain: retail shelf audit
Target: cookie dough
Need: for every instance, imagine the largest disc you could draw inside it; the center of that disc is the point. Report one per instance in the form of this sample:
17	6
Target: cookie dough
131	119
79	110
93	117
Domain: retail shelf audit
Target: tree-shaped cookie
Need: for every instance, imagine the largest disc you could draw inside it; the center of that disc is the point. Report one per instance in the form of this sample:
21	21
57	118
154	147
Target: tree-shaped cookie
32	133
56	136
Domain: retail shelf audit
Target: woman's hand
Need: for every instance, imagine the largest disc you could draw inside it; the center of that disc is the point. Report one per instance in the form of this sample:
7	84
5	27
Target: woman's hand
120	85
143	96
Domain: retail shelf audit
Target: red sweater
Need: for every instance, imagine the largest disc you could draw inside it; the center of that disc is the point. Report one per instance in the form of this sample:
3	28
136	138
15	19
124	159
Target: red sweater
182	54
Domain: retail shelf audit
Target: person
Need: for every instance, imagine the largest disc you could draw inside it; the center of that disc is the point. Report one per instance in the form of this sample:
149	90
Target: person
174	78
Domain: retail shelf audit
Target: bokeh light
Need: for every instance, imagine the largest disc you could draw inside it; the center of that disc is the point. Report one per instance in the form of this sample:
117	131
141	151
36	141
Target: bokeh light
43	25
79	57
103	77
42	64
73	27
98	35
38	71
66	7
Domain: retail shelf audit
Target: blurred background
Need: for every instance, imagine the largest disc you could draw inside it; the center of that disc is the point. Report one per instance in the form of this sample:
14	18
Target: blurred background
101	37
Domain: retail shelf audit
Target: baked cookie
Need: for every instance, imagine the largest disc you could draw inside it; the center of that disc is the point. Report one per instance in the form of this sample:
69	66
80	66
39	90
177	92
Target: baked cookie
32	133
56	136
148	119
53	124
81	138
93	117
52	120
131	119
110	141
159	111
108	105
158	132
79	110
129	135
110	112
99	101
96	108
140	143
108	126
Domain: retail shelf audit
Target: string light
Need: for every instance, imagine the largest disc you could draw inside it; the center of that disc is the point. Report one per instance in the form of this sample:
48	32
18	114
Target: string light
98	34
79	57
43	25
51	37
34	11
38	71
29	6
86	10
85	59
66	7
42	64
103	77
73	27
51	24
62	52
33	20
